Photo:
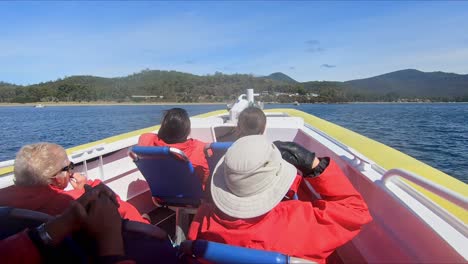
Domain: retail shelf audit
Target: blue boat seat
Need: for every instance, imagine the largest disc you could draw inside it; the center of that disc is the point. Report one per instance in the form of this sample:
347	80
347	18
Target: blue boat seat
214	252
214	151
170	175
172	181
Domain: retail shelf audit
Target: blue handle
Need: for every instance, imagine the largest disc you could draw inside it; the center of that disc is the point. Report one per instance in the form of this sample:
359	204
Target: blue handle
220	145
227	254
141	150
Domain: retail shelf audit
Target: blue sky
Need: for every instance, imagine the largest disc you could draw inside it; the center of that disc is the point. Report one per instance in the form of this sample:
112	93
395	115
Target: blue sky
41	41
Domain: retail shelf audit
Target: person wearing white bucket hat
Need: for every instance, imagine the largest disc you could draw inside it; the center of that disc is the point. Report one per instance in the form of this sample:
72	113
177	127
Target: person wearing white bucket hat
248	188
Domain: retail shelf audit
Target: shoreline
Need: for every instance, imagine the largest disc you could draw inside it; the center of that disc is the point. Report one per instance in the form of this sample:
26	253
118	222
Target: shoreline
406	103
50	104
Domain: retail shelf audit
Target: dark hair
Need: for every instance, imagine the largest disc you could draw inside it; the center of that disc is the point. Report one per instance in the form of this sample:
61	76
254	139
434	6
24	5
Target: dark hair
252	121
175	126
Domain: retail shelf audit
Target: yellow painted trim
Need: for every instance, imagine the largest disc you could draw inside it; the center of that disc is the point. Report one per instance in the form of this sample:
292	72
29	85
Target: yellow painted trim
389	158
213	113
6	170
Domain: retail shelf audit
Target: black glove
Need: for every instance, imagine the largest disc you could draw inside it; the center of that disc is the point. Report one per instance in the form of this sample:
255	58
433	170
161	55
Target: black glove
297	155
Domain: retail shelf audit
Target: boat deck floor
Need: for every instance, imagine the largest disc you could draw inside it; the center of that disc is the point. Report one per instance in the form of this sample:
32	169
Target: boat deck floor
164	218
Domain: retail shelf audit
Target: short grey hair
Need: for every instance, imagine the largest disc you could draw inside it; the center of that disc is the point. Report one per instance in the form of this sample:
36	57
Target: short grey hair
36	164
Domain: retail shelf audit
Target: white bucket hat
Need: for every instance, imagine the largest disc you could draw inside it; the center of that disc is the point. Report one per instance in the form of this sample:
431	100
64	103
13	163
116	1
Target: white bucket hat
251	179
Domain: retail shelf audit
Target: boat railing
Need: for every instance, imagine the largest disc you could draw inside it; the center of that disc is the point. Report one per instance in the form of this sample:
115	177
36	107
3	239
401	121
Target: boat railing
450	228
90	153
99	151
394	176
359	160
7	163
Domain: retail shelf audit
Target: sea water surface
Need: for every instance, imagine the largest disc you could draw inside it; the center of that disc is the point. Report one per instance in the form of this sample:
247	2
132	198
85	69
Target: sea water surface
436	134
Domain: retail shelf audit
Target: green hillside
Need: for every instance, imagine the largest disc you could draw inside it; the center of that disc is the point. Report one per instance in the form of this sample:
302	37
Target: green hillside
412	83
168	86
173	86
279	76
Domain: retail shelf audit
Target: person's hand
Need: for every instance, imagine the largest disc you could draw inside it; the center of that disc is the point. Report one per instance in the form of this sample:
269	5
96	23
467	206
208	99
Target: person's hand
103	189
105	225
301	158
78	181
72	219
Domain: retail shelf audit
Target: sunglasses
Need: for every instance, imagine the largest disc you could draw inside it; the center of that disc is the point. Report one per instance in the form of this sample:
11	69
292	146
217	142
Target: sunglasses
69	167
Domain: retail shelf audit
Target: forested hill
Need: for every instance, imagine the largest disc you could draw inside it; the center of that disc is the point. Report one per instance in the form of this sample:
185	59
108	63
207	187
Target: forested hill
279	76
412	83
167	86
173	86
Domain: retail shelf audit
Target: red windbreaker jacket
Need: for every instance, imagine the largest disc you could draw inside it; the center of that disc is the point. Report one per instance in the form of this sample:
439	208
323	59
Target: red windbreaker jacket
53	201
304	229
192	148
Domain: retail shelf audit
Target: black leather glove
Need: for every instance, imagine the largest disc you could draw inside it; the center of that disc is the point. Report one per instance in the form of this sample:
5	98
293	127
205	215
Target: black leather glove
297	155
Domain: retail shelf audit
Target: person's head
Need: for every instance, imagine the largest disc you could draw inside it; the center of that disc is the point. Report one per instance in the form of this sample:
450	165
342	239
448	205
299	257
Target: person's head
251	179
175	126
251	121
42	164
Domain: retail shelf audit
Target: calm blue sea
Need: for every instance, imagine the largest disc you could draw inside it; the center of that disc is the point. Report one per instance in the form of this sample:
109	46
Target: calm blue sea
436	134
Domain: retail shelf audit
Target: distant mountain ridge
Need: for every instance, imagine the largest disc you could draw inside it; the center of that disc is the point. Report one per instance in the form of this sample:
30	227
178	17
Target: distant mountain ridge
411	83
173	86
279	76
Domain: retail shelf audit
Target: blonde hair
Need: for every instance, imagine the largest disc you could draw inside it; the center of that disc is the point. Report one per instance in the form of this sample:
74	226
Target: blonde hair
36	164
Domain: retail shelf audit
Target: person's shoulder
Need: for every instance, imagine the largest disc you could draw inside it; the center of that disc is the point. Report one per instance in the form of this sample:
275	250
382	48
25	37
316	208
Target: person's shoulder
10	188
148	135
147	139
288	204
196	143
9	192
291	208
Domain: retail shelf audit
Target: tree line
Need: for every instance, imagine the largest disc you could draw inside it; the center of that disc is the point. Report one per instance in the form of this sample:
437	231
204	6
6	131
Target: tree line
172	86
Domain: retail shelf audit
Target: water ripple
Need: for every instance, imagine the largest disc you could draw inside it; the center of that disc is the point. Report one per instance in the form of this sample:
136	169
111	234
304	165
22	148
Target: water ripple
436	134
